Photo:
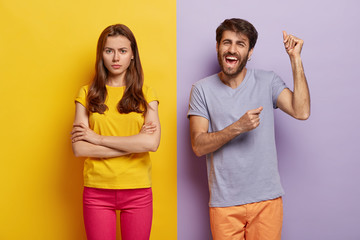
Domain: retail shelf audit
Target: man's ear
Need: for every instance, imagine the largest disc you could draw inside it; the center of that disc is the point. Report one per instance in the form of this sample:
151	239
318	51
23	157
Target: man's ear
217	47
250	53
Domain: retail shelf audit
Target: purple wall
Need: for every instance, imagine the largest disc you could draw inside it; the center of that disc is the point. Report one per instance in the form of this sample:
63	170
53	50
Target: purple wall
319	158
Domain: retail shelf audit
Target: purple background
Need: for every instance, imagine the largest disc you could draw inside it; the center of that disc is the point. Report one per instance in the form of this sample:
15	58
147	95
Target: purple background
318	158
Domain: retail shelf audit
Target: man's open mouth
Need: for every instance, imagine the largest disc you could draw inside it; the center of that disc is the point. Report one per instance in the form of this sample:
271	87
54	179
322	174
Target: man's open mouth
231	60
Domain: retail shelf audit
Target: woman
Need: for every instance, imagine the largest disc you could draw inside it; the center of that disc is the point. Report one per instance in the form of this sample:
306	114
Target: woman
116	126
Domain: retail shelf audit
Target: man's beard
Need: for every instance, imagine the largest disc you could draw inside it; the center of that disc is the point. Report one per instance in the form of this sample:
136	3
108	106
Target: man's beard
229	72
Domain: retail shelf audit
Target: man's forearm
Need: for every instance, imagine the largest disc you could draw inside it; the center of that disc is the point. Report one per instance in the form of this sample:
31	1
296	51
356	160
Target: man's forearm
301	97
205	143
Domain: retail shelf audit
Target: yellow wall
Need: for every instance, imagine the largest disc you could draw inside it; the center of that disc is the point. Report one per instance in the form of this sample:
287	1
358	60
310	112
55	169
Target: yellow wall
47	51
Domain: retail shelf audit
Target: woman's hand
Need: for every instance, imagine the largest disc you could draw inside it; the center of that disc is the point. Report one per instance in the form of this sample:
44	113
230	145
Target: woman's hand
148	128
81	132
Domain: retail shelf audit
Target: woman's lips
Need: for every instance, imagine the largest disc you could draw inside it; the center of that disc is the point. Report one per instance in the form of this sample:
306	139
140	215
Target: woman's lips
115	66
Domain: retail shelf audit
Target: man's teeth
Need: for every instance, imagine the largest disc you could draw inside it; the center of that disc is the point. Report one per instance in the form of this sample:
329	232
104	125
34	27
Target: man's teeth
231	58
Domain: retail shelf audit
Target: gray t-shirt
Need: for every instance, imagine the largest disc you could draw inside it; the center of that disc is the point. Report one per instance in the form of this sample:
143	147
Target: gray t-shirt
245	169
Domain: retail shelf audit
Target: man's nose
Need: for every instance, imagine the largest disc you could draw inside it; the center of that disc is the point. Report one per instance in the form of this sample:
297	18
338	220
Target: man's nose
232	48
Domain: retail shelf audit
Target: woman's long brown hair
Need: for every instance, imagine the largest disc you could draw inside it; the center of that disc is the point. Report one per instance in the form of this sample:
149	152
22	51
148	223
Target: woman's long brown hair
133	99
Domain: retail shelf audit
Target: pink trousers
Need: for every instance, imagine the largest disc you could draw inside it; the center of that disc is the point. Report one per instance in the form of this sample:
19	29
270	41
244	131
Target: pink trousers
135	207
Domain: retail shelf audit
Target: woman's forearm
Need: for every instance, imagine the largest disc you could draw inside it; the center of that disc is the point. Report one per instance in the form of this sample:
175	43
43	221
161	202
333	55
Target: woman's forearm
86	149
138	143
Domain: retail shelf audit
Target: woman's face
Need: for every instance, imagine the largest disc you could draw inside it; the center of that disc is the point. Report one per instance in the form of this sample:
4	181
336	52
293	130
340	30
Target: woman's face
117	55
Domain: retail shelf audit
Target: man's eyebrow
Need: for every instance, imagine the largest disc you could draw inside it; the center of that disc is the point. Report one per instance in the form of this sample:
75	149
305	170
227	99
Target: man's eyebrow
241	41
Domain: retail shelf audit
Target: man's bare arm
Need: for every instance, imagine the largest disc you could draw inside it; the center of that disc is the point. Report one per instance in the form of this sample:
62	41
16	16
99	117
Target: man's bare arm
203	142
296	103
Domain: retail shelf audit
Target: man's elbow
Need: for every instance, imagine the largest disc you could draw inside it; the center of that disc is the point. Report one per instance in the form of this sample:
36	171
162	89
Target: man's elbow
303	116
198	152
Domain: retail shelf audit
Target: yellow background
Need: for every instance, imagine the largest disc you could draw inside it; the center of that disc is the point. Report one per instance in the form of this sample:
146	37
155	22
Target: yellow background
47	51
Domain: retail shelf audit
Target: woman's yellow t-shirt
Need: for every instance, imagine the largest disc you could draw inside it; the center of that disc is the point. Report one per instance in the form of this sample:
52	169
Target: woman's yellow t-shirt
125	172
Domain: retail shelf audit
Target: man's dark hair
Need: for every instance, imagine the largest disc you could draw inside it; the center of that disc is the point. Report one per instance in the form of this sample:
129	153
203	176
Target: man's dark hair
239	26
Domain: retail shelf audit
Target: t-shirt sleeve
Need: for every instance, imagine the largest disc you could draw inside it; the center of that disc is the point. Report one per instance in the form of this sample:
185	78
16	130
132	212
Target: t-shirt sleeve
197	105
81	97
150	94
278	85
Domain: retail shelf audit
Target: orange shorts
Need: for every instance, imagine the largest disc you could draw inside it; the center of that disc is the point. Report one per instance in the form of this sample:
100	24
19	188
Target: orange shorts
253	221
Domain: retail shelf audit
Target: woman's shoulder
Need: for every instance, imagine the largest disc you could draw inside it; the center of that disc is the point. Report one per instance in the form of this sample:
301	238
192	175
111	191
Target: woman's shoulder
149	93
83	91
82	94
147	89
85	88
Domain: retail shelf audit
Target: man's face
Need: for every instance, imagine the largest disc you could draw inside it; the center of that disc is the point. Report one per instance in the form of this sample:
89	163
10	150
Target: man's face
233	52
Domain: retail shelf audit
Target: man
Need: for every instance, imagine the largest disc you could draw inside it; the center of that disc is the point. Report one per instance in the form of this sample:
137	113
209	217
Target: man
232	123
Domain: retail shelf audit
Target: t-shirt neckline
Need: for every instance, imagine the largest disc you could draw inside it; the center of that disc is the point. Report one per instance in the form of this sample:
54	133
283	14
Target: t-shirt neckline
241	85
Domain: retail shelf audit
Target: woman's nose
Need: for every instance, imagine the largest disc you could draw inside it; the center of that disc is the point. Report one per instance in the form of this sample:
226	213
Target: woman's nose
116	56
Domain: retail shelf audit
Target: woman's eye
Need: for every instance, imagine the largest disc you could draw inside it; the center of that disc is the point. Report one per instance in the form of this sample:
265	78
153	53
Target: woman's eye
108	51
122	51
